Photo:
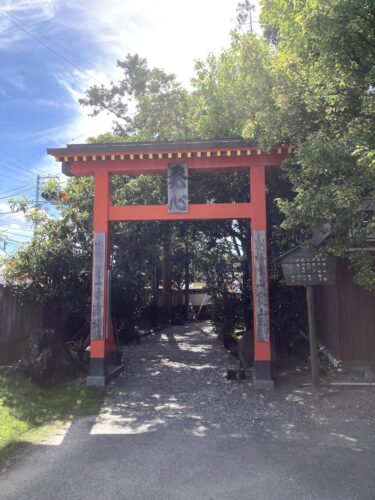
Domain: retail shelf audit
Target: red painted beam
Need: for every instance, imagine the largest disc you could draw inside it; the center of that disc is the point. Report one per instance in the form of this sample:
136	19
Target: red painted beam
258	197
160	166
102	200
196	212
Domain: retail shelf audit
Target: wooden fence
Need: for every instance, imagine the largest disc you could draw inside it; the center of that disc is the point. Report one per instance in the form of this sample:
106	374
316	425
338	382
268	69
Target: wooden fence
17	320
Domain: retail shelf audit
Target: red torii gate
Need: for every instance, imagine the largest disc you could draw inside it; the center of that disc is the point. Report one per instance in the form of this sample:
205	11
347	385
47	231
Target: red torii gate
104	160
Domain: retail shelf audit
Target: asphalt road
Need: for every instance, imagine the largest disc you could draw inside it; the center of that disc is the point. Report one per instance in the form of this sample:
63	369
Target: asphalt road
174	428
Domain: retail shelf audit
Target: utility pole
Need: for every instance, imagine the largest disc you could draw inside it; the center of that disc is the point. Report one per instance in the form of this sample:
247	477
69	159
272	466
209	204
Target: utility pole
37	204
37	199
37	191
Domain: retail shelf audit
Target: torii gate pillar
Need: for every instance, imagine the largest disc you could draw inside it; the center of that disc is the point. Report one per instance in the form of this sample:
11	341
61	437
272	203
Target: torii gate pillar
261	310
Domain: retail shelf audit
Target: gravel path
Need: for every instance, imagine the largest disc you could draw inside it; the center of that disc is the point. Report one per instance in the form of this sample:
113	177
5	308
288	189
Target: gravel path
174	428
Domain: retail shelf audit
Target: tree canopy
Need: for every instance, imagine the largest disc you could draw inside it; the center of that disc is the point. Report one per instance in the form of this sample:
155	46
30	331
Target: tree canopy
308	82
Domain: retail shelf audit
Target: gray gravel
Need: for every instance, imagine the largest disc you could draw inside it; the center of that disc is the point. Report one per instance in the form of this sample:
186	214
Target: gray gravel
174	428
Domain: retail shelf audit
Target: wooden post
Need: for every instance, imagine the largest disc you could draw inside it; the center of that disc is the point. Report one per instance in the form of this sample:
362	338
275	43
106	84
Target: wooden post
312	336
262	375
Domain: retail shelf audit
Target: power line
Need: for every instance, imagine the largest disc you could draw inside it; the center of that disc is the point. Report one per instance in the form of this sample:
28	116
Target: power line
19	163
10	239
13	233
16	164
9	236
63	47
14	191
11	177
5	169
44	170
16	227
21	160
20	212
17	242
27	31
6	163
15	194
9	192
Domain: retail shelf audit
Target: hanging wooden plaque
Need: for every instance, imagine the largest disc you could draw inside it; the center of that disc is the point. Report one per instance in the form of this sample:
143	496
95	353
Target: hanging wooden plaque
178	202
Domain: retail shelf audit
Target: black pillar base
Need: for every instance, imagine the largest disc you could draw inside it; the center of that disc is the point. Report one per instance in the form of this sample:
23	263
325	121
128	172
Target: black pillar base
101	372
262	375
98	371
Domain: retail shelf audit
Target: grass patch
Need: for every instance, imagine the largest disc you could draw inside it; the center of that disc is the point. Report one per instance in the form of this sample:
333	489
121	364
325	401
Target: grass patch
28	413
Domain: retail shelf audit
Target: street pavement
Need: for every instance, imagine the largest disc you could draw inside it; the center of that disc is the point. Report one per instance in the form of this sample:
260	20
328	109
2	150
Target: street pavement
173	427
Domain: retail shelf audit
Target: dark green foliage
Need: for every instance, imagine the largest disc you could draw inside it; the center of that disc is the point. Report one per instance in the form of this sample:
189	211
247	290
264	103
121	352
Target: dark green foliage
308	82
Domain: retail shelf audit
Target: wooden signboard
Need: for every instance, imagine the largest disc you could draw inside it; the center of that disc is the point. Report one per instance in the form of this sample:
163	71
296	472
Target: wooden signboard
304	266
178	188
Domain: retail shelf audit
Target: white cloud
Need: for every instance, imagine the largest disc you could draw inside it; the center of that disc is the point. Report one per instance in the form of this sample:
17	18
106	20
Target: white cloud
13	79
46	166
23	11
80	127
171	34
36	10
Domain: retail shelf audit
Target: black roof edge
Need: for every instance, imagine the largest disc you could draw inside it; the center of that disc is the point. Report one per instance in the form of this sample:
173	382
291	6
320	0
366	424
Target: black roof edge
285	254
152	145
317	242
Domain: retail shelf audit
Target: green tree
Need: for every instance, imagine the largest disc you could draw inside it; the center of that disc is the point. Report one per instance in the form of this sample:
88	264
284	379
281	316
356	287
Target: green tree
55	265
309	82
323	94
147	104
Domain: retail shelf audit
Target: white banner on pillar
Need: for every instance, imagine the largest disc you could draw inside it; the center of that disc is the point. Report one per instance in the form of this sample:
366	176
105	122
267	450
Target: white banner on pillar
260	279
98	286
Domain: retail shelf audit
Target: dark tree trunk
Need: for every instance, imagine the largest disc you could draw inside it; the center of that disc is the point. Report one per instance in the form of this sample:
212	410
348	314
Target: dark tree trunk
167	302
155	294
187	283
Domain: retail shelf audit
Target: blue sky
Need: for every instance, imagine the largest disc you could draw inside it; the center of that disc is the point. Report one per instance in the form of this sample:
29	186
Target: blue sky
40	87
